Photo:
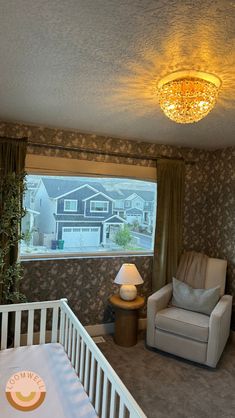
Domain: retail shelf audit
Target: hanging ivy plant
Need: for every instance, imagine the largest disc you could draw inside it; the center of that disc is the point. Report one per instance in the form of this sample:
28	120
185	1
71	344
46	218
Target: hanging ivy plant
12	187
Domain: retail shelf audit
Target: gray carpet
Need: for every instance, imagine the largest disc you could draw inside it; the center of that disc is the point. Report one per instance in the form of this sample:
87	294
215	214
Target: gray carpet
166	387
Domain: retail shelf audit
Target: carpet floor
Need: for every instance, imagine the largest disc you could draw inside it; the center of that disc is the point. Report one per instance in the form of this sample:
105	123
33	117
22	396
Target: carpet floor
166	387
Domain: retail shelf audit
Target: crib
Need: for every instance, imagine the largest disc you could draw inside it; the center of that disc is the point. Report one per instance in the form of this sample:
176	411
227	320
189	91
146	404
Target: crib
105	392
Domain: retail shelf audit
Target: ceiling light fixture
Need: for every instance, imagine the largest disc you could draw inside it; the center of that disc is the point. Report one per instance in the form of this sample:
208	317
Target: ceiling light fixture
188	96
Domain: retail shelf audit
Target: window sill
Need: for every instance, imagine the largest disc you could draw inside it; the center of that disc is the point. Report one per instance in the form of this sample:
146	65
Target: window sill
66	256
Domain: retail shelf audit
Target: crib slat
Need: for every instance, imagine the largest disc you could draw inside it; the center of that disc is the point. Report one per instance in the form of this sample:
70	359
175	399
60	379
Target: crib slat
30	327
17	329
73	346
66	333
87	369
112	403
4	330
61	338
121	409
98	390
69	339
92	379
104	398
43	326
54	325
104	388
82	359
77	357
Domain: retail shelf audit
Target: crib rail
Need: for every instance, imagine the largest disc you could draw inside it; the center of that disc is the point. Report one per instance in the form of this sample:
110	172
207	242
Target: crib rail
107	393
21	318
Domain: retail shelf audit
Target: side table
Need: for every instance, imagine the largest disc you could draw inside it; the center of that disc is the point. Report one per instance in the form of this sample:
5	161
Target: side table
126	319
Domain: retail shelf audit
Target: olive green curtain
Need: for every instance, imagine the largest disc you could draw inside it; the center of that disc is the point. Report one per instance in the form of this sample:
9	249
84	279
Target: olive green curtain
168	237
12	163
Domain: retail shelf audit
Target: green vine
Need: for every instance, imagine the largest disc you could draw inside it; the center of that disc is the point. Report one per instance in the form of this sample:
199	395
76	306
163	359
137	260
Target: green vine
12	188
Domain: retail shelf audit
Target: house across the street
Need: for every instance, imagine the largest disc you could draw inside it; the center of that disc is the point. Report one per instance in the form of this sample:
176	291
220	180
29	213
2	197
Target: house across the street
83	213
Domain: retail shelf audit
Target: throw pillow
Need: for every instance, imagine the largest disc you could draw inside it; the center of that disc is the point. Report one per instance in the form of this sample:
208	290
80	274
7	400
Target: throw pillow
197	300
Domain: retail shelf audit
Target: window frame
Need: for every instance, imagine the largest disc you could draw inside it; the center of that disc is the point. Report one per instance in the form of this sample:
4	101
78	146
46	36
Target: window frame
70	200
42	165
99	201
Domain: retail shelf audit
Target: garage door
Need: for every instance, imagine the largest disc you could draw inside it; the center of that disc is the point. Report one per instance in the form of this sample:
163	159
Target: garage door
81	237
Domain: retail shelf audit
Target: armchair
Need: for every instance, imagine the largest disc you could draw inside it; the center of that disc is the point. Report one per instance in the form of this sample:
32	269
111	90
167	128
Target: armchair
191	335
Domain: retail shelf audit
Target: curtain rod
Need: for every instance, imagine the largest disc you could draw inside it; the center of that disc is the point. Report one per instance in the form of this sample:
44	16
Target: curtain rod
112	154
8	138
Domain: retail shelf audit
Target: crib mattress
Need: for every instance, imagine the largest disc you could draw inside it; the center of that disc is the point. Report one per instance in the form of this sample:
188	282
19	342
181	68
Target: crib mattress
65	396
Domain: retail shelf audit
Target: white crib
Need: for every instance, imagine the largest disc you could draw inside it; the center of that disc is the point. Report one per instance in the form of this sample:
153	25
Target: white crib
108	395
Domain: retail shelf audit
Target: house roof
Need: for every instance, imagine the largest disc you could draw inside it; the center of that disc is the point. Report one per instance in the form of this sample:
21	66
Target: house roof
34	212
78	218
134	211
147	195
91	219
97	194
57	187
115	195
134	196
115	219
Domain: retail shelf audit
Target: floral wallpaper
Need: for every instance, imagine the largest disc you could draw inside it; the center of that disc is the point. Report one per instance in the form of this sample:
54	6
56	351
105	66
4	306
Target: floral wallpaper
209	221
87	283
95	143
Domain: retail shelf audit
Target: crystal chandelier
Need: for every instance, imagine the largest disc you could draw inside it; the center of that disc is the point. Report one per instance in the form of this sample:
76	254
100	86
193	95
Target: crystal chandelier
188	96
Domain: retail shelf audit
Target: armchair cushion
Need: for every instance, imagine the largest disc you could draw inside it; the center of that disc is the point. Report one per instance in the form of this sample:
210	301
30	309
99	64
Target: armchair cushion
197	300
156	302
185	323
219	329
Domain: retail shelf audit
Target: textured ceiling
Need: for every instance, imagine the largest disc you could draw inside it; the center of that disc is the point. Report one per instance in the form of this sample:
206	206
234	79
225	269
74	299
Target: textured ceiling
93	65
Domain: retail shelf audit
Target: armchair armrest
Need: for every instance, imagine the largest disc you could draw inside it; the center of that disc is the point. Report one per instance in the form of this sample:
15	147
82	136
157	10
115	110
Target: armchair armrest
156	302
219	329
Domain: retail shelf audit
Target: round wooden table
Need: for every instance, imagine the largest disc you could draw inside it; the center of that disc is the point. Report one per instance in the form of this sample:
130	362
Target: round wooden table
126	319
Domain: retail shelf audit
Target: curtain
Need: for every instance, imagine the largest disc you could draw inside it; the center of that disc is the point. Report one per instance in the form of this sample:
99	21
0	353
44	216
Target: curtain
168	237
12	162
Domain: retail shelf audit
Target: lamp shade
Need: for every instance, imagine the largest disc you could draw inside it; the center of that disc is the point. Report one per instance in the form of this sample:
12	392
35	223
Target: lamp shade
128	274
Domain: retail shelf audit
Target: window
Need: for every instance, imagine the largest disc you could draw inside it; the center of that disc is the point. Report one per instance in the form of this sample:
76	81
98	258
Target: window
70	205
67	229
57	229
99	206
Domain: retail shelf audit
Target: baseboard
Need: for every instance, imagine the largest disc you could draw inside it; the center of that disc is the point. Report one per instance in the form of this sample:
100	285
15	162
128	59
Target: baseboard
104	329
100	329
93	331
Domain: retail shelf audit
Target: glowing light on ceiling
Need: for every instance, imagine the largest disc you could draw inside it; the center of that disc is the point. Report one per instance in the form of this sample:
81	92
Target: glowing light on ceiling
188	96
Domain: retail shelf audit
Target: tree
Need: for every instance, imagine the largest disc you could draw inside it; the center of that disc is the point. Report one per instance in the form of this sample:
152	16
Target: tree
123	237
135	226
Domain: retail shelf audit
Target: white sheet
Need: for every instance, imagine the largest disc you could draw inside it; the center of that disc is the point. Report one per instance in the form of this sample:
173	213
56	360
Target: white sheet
65	396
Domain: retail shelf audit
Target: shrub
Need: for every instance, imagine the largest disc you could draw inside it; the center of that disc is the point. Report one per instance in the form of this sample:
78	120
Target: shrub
123	237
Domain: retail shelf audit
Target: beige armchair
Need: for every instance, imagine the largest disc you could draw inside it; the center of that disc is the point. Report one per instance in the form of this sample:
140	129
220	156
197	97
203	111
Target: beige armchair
191	335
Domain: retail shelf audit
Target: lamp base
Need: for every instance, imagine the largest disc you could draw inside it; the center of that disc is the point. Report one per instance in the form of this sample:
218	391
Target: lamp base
128	292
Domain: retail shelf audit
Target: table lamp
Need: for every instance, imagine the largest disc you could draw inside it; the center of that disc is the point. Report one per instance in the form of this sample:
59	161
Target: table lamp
128	277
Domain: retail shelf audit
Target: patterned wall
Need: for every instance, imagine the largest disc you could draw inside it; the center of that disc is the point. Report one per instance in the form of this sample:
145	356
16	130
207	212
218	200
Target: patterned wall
86	282
209	221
